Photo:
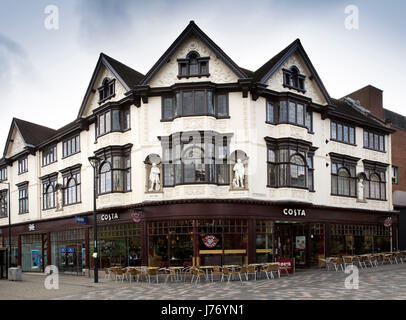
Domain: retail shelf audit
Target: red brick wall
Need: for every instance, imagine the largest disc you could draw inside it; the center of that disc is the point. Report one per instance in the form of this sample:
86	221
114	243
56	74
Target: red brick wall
370	98
399	157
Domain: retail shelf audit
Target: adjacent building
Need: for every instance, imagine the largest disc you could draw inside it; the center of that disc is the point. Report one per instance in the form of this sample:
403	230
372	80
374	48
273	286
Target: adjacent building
201	162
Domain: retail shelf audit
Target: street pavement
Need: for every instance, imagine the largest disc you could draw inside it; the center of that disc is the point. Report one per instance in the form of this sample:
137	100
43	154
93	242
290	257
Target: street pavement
383	282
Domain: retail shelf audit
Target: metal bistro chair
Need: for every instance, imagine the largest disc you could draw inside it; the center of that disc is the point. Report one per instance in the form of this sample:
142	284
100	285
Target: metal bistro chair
347	261
360	261
152	273
197	273
270	269
251	270
134	273
387	256
108	273
230	273
335	262
171	273
120	274
217	271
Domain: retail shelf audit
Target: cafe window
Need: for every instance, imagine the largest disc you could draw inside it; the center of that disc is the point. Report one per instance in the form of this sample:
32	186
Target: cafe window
264	244
193	158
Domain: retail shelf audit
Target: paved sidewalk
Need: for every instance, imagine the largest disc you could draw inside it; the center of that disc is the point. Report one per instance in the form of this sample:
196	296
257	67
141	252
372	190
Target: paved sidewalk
384	282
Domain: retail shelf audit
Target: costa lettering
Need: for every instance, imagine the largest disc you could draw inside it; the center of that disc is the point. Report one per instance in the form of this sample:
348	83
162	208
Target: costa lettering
294	212
109	216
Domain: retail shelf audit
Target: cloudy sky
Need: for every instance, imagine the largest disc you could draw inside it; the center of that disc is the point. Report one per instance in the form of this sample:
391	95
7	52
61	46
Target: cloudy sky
44	73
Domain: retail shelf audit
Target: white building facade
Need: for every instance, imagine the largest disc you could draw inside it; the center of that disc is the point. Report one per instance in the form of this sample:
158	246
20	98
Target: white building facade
200	162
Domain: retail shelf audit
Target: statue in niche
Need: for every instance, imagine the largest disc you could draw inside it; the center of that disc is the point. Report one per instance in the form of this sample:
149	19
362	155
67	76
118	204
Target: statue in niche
154	178
239	172
361	189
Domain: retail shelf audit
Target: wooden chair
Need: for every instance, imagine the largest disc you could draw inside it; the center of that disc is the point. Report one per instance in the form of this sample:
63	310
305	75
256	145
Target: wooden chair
251	270
244	271
347	261
152	273
171	273
270	269
120	274
197	273
134	273
228	272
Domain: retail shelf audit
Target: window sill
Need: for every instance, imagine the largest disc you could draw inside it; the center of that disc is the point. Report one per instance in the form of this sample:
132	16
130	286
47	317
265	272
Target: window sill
197	183
349	143
196	115
377	199
289	187
47	209
72	204
375	150
48	164
105	99
341	195
194	76
292	124
72	154
20	173
111	192
294	88
23	213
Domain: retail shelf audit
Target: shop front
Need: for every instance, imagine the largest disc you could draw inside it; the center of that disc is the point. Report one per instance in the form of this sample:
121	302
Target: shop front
199	232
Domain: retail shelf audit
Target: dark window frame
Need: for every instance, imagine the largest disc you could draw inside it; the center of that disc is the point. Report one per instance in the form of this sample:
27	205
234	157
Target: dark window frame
367	134
65	146
47	183
375	168
107	90
49	155
185	64
395	175
3	174
290	76
283	118
178	102
4	203
68	176
123	112
342	140
23	165
350	166
23	199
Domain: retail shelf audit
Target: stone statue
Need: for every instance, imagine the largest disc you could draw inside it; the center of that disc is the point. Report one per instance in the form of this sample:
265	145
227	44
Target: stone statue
361	189
154	178
239	172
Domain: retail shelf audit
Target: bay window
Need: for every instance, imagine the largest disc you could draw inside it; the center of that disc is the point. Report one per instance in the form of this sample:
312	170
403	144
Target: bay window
289	112
49	155
113	120
195	157
194	103
375	173
343	175
114	172
290	163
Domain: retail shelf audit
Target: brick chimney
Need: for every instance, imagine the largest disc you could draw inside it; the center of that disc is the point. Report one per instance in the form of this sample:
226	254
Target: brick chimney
371	99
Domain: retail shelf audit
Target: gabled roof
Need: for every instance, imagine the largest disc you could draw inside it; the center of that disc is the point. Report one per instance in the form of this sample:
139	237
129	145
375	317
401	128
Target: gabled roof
31	133
193	29
127	76
263	74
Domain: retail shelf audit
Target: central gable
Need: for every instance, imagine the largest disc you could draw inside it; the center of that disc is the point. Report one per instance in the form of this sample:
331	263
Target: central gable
93	97
219	72
312	89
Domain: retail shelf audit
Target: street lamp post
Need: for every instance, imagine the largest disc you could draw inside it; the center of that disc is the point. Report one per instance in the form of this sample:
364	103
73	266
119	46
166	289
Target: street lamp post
94	161
9	222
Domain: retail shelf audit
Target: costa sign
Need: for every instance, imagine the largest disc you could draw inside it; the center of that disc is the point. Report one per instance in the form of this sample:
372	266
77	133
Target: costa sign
136	217
294	212
388	222
210	241
109	216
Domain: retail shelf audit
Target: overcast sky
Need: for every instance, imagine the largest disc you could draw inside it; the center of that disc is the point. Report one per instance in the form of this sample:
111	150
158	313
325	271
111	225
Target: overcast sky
44	73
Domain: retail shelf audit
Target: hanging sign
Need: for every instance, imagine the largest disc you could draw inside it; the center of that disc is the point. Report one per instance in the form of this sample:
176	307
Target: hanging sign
210	241
31	227
388	222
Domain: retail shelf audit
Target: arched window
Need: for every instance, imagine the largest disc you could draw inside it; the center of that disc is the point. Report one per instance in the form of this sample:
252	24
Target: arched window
71	192
193	65
374	188
3	203
50	197
297	171
105	178
343	182
293	79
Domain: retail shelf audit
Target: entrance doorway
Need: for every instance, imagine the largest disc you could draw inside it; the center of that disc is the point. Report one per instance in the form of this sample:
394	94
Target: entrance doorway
302	241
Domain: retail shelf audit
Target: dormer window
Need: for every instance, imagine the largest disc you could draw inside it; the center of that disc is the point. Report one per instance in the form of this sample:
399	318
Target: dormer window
193	65
293	79
107	90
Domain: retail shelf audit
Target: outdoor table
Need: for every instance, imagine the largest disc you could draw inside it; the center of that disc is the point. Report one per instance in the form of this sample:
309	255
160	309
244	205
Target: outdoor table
178	271
206	270
232	267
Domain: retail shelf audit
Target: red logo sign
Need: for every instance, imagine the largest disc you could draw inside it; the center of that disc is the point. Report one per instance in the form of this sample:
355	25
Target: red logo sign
388	222
210	241
136	217
289	264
